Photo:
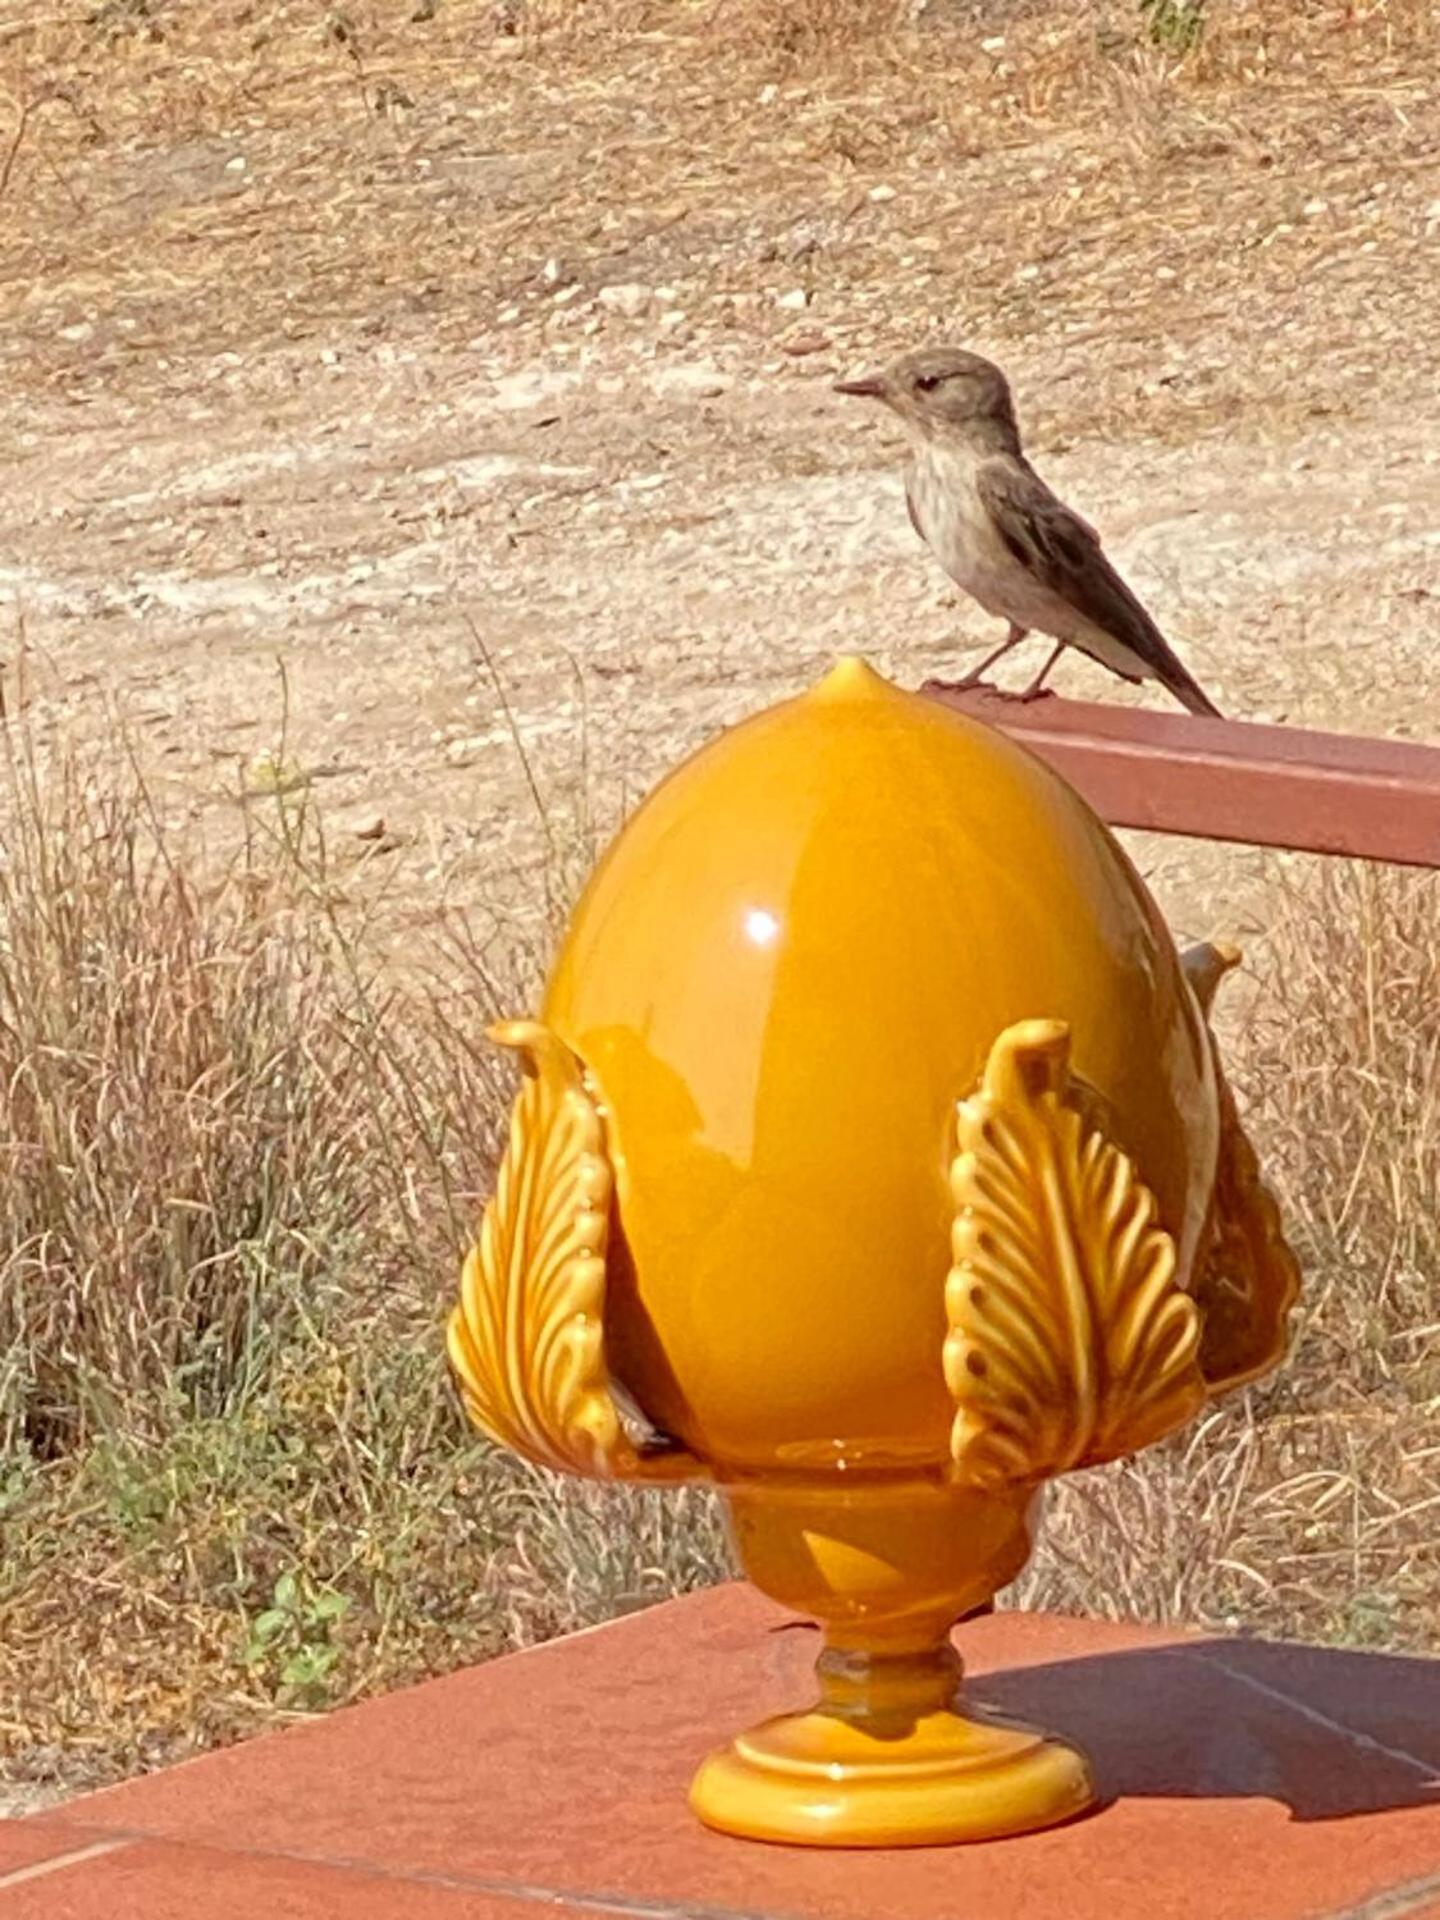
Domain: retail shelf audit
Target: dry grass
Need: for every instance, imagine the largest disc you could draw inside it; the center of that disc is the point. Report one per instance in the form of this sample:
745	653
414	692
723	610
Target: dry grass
184	1128
238	1169
1306	1507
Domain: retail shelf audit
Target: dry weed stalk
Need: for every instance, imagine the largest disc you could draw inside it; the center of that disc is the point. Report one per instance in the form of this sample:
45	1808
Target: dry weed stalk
238	1164
1306	1507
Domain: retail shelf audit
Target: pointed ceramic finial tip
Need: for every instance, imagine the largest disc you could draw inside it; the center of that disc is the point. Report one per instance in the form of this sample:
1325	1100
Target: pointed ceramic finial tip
852	678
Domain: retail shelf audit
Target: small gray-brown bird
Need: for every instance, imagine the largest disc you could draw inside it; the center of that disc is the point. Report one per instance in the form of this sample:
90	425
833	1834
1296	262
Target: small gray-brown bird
1002	535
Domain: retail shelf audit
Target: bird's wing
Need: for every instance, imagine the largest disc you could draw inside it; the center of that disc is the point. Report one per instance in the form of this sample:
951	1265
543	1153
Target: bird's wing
1063	552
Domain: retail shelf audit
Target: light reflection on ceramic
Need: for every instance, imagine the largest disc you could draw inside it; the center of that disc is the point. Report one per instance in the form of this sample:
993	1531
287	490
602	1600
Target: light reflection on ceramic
927	1189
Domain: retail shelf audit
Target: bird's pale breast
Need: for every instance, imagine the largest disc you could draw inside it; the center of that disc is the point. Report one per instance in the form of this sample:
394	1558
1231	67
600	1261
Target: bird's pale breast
958	528
959	531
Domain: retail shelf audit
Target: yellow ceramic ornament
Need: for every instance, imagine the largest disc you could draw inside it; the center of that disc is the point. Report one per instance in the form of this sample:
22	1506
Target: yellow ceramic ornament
874	1145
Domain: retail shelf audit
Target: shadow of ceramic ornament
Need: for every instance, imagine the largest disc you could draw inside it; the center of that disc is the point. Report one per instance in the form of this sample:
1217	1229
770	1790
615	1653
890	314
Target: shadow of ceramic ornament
873	1161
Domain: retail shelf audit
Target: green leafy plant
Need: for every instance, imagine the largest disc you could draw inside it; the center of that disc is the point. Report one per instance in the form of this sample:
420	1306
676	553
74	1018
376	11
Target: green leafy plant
294	1638
1175	25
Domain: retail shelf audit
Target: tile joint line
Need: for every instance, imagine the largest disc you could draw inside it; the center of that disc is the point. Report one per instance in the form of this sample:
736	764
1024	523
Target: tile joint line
1356	1735
58	1862
584	1900
1409	1898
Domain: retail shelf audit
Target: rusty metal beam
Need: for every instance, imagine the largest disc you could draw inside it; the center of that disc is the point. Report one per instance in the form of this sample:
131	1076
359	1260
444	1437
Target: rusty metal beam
1229	779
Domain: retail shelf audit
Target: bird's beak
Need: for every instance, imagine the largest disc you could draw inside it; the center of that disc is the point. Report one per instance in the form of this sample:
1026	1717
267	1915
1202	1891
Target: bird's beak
870	386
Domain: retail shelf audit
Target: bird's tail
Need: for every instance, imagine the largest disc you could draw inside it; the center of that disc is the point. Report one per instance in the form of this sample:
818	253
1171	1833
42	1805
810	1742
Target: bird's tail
1186	689
1193	696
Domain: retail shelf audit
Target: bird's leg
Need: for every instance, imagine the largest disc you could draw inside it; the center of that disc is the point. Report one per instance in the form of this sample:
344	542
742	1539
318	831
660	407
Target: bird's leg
1037	685
972	679
1012	639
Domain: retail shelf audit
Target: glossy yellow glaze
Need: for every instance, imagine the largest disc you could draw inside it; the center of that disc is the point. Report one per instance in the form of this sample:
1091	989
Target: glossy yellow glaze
874	1144
1070	1343
880	1562
789	967
888	1758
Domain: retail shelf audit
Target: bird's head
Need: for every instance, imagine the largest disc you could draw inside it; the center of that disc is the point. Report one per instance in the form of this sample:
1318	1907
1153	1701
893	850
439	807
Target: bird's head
945	393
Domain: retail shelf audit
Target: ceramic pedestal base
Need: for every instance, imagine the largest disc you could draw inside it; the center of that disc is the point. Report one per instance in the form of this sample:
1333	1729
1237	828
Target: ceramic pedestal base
886	1759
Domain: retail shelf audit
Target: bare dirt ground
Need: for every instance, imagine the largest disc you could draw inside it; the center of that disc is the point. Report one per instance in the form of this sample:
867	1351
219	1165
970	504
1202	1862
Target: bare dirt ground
443	361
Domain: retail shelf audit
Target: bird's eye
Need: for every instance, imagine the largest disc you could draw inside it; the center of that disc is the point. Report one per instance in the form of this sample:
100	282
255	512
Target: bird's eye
927	382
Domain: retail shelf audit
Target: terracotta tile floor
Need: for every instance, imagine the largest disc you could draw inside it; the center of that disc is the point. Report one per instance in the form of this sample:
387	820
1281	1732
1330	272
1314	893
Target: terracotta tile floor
1243	1781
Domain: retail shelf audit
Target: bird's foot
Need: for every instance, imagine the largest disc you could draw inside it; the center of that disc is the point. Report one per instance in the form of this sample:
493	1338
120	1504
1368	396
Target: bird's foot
1028	695
968	685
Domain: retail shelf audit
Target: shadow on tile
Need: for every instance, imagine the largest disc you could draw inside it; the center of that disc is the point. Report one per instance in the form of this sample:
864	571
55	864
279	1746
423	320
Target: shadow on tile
1328	1733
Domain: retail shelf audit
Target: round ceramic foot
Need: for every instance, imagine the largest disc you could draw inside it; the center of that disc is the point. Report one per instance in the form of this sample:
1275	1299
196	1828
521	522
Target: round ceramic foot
887	1779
